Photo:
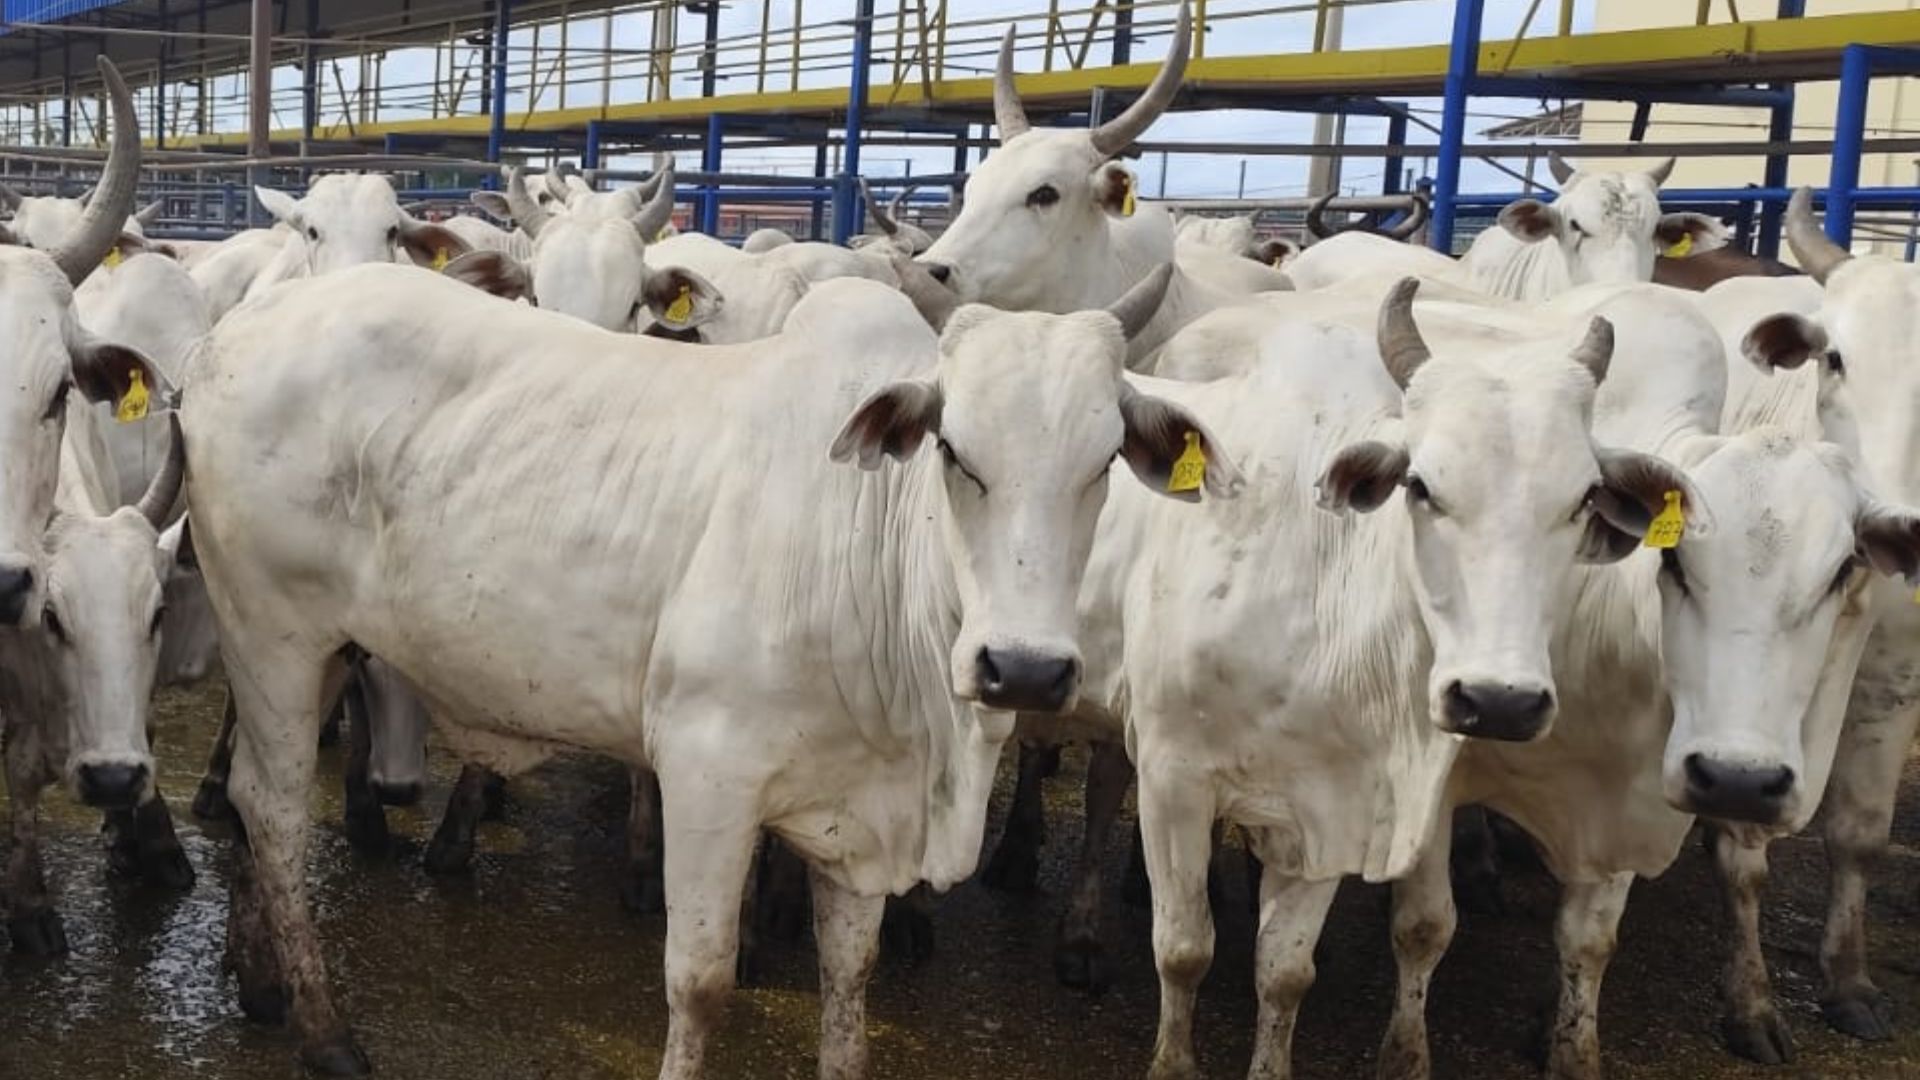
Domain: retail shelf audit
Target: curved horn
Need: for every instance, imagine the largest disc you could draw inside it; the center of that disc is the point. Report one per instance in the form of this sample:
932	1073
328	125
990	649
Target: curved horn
157	502
1817	254
658	210
1402	348
662	167
1595	350
1660	171
1316	223
1008	115
150	213
81	250
1562	170
900	201
527	212
935	302
1118	133
556	183
1416	217
881	218
1137	308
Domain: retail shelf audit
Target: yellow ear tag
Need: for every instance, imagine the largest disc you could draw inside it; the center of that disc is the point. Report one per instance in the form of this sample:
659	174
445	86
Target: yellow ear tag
665	233
1277	260
133	403
439	259
1667	526
113	257
1680	248
1190	468
682	307
1126	200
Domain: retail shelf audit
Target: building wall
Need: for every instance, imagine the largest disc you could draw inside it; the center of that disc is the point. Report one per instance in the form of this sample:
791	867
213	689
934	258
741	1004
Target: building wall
1892	109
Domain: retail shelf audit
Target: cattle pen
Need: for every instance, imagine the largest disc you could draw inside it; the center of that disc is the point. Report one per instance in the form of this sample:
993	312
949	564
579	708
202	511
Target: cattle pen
960	539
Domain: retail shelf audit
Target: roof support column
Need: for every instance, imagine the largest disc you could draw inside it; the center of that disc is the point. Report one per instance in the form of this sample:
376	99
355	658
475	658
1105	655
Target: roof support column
1463	65
497	129
710	164
846	197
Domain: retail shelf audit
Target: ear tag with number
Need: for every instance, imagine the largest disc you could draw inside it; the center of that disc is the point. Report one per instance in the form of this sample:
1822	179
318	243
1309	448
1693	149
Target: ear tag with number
133	403
1668	525
1126	198
682	307
1680	248
439	259
1190	468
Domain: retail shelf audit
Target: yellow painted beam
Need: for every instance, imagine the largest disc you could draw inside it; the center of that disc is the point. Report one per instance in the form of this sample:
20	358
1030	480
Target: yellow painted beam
1737	50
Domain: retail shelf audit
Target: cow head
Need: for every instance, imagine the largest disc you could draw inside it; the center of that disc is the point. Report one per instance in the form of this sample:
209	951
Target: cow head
101	629
346	219
1504	491
890	233
49	353
1027	411
1038	211
1607	224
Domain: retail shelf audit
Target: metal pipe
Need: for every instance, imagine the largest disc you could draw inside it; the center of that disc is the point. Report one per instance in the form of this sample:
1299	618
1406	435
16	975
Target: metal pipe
1779	129
1463	61
846	209
310	76
709	197
497	127
820	209
1849	128
590	155
259	94
1396	137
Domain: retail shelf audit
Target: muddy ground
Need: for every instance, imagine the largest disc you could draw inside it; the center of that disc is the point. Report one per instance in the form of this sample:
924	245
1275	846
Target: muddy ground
529	968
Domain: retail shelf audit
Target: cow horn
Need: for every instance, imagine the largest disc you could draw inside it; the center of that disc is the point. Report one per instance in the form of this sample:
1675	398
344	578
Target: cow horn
1816	253
1596	349
881	218
1316	223
1416	218
157	501
1118	133
1008	115
1137	308
528	213
81	250
899	203
662	167
1660	171
658	210
150	213
556	183
9	198
934	301
1561	169
1402	348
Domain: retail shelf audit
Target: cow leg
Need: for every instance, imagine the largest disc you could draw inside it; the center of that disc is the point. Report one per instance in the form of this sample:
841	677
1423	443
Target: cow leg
144	843
846	929
1134	890
1015	866
1586	932
279	703
706	866
906	930
1079	958
1292	912
640	888
1476	862
210	802
32	923
366	818
1751	1026
1176	826
1424	920
451	849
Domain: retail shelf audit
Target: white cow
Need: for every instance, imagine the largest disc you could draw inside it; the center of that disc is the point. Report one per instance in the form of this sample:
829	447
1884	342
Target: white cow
346	219
484	236
890	234
74	688
189	638
227	270
1303	677
819	651
765	240
1225	253
1052	222
39	221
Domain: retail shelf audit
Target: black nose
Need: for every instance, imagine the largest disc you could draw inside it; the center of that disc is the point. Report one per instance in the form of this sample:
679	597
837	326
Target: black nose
112	787
15	584
397	794
1497	711
1756	793
940	271
1030	682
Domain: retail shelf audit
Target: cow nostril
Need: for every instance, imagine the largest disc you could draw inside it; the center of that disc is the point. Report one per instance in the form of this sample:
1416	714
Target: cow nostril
1459	706
986	671
111	785
1780	785
1699	777
940	272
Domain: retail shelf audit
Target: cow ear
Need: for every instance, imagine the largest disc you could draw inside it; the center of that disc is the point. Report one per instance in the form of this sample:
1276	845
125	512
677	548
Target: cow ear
1274	252
1156	441
1361	476
1530	220
105	372
679	298
1888	539
429	245
893	422
281	205
495	272
1783	341
131	244
1678	236
494	203
1115	189
1633	489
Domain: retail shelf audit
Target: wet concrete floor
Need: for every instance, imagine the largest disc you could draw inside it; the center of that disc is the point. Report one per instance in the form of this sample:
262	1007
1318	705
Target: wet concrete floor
529	968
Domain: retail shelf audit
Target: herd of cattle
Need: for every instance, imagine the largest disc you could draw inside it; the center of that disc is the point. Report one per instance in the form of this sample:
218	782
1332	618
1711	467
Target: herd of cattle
1397	534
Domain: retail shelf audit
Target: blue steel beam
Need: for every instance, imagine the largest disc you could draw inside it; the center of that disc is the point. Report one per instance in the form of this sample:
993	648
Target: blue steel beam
1779	129
497	120
710	163
846	208
1463	63
1525	87
1396	136
1858	63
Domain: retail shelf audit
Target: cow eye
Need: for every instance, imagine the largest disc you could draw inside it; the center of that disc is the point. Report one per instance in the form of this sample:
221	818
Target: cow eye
633	313
313	233
393	234
1578	229
53	624
1670	566
1842	576
954	462
153	627
58	406
1044	195
1418	494
1835	363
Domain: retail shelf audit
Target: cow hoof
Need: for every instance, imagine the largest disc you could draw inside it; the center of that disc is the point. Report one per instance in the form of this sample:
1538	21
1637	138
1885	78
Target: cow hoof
1015	869
210	802
38	933
1763	1038
642	892
1867	1016
367	829
1081	965
906	933
337	1057
167	867
447	857
264	1004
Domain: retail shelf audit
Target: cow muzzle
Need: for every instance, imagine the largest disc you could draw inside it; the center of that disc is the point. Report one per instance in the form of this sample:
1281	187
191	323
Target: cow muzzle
392	793
1024	680
112	785
1737	791
1494	710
